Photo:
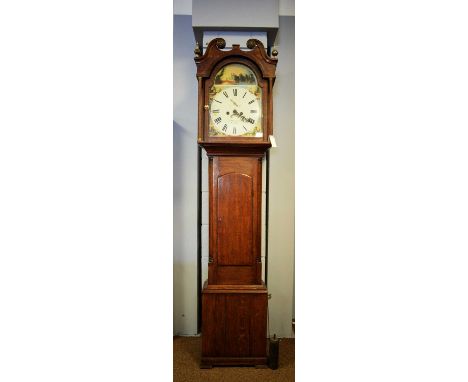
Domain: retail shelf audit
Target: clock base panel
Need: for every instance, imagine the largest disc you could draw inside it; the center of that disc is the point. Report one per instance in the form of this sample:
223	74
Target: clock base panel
234	325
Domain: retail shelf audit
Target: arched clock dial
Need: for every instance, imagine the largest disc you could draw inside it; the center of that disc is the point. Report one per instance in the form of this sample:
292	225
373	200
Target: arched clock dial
235	102
235	111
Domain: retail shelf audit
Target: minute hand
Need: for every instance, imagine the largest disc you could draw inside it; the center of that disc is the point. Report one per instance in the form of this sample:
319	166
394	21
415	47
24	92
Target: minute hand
234	102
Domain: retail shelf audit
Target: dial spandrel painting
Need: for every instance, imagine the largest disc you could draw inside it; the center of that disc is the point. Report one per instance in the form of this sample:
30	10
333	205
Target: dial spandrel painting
235	103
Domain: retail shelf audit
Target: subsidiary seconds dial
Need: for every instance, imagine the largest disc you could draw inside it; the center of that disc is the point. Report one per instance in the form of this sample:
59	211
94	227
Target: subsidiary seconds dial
235	111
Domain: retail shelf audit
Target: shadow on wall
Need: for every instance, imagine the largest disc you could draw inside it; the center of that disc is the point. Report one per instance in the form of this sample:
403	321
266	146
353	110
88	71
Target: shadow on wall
184	230
177	163
177	132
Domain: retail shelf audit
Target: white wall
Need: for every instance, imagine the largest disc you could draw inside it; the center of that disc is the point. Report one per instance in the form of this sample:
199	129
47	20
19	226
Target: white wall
281	220
281	224
184	179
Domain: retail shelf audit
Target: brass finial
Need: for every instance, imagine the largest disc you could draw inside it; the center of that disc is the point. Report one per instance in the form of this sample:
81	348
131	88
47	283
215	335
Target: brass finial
251	43
274	52
220	43
197	50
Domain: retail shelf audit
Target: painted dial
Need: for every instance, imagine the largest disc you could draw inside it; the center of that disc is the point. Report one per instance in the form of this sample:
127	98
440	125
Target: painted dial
234	111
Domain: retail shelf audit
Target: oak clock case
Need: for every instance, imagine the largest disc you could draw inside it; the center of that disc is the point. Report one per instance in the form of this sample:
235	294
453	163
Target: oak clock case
234	124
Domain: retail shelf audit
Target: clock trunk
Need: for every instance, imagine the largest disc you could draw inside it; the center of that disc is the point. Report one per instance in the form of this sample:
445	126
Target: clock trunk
235	220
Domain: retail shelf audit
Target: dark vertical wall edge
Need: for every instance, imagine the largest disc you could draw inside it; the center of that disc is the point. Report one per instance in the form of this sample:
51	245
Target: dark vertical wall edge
267	198
199	234
199	226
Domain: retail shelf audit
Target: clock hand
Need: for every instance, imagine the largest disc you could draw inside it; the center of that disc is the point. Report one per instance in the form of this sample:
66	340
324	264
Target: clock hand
234	102
239	115
243	119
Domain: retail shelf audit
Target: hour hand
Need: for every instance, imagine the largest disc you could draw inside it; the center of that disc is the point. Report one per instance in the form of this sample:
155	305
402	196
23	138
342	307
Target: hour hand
242	118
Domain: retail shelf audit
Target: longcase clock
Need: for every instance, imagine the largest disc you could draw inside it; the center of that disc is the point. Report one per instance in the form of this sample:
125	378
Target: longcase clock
235	108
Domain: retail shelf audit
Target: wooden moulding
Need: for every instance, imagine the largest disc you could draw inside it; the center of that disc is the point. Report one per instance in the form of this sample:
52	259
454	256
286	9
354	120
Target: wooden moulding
215	54
214	288
226	149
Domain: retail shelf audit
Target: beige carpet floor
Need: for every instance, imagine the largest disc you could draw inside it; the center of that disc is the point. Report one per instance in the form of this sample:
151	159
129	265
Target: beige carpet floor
187	352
